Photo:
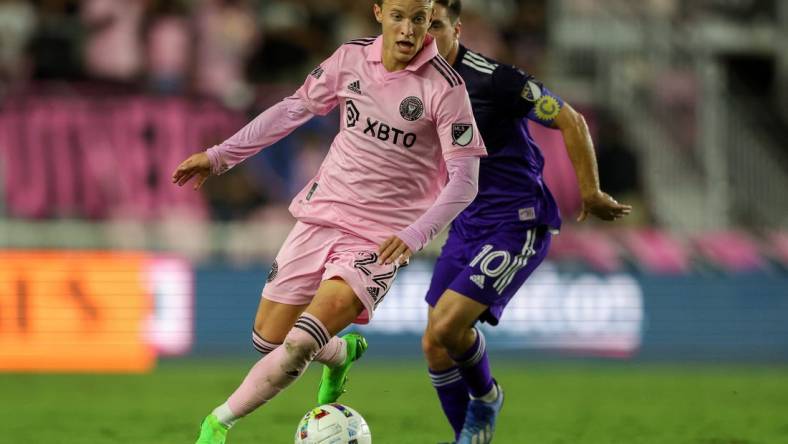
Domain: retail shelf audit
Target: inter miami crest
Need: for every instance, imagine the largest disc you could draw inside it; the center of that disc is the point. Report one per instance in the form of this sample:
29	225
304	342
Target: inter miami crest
274	272
411	108
461	133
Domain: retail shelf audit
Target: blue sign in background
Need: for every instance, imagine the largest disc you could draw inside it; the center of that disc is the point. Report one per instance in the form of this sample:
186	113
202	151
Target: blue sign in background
733	317
717	318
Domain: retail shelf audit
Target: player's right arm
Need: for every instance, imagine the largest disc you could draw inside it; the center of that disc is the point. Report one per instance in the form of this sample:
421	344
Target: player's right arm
317	96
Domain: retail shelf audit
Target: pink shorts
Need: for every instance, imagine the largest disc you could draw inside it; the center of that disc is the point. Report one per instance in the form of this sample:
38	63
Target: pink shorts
313	253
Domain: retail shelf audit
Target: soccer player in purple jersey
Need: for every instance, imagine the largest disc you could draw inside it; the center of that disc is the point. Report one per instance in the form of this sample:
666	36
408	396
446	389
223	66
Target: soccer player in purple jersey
498	240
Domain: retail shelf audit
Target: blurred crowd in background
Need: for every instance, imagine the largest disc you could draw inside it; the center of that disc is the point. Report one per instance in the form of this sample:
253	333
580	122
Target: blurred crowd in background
223	48
219	48
100	99
241	53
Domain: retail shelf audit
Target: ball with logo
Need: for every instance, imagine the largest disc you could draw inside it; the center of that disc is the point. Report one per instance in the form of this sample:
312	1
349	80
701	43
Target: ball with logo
333	423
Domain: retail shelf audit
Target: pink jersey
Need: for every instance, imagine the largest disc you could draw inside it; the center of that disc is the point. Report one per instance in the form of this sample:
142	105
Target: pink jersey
386	165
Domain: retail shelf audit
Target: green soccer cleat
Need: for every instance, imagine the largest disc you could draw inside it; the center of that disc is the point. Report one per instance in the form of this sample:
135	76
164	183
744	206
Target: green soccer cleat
212	431
332	384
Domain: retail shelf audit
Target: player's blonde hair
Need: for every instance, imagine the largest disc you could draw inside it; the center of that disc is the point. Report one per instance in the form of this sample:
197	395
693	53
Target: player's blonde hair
380	2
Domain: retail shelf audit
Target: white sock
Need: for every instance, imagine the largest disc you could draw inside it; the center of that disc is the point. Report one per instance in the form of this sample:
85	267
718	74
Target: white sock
225	415
490	396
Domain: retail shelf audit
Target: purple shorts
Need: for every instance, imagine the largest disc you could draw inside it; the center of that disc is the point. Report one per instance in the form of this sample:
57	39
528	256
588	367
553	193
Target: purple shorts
489	269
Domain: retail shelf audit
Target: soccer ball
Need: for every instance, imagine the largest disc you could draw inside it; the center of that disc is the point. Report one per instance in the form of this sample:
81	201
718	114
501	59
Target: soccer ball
333	424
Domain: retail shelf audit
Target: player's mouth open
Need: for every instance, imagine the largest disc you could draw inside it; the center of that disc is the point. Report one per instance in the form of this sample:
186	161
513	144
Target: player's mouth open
405	46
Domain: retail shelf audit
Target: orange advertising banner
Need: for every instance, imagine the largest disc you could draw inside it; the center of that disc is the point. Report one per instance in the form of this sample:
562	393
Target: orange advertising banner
74	311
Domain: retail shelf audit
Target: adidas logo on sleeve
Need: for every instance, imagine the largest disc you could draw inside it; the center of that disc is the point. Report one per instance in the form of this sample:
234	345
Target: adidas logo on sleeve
355	87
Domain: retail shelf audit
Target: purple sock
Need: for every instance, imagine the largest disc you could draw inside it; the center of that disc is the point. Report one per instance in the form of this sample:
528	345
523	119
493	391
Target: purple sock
453	394
475	367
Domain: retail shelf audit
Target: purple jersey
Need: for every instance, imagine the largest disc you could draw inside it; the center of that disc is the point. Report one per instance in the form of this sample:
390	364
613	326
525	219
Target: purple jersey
512	191
488	269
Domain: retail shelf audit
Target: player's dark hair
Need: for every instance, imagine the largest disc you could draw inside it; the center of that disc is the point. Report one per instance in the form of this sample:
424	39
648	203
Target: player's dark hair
454	8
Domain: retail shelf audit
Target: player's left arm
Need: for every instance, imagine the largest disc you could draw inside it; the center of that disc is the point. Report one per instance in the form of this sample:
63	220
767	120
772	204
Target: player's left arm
524	96
580	148
458	193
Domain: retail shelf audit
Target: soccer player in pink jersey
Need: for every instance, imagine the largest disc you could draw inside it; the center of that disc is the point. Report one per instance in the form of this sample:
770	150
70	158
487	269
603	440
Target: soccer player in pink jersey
380	194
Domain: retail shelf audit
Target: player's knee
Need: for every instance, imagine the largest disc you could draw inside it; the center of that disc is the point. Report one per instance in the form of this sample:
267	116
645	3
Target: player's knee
436	355
429	346
445	333
262	345
258	324
300	347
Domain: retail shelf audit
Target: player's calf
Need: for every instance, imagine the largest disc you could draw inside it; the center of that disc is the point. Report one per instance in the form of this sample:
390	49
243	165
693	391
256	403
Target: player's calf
268	377
475	366
448	382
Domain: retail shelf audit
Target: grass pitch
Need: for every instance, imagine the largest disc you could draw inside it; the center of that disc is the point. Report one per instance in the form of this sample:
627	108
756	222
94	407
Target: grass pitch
561	403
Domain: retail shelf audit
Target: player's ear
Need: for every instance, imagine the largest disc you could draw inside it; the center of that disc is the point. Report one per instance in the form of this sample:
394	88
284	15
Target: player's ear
378	11
458	29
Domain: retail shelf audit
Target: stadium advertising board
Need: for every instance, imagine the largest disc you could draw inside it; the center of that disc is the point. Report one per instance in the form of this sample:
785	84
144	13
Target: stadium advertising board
728	317
577	313
92	311
585	313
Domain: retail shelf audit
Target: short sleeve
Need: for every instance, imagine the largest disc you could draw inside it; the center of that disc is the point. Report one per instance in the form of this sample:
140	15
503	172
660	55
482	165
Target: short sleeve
319	88
522	95
457	130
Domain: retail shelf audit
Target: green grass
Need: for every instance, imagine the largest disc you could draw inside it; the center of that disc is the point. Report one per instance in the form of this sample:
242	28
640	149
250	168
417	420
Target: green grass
558	403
